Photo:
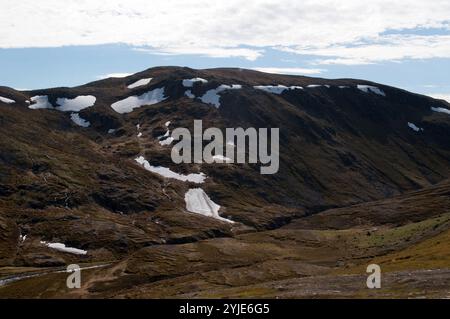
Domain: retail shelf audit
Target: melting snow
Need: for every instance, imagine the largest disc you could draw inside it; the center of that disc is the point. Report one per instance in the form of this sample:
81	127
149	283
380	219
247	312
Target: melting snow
221	159
168	173
40	102
22	238
213	97
197	201
127	105
189	94
139	134
312	86
79	121
188	83
166	141
111	131
272	89
414	127
75	105
63	104
63	248
440	110
369	89
278	89
139	83
6	100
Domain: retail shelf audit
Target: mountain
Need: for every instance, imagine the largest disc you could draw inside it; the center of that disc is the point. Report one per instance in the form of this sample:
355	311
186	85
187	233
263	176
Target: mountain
364	175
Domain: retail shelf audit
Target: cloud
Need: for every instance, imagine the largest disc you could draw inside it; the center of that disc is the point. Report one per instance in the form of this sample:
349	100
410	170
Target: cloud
113	75
219	52
299	71
386	48
348	32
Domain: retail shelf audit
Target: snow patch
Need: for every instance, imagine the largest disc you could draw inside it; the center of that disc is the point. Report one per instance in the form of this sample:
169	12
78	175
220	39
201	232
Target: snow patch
75	117
312	86
111	131
276	89
440	110
189	94
370	89
168	173
127	105
213	97
188	83
166	141
40	102
75	105
6	100
63	248
272	89
414	127
221	159
198	202
139	83
63	104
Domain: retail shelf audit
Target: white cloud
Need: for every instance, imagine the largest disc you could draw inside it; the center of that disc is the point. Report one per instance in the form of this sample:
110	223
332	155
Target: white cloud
113	75
299	71
349	32
384	48
249	54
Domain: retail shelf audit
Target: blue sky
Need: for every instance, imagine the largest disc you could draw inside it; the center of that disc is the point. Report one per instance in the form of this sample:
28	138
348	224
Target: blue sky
68	43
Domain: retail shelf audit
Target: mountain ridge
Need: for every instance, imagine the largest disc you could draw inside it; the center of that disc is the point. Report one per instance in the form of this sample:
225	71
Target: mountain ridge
343	142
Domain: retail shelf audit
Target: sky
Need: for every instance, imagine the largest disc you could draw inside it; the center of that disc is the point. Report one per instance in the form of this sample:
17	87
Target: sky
50	43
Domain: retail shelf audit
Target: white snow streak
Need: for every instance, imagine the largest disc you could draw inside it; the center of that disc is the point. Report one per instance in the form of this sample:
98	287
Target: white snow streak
127	105
213	97
6	100
440	110
189	94
278	89
40	102
79	121
370	89
198	202
139	83
75	105
168	173
414	127
221	159
63	248
188	83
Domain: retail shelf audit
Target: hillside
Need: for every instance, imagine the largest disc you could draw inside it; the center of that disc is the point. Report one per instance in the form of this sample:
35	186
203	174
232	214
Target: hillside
364	175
